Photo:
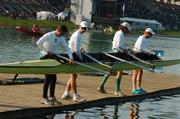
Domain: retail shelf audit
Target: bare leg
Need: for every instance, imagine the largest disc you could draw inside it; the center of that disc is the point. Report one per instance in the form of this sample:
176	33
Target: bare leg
68	86
134	79
73	83
139	78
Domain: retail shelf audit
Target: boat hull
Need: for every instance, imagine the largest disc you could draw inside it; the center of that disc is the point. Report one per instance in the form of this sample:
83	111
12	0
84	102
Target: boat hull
51	66
29	31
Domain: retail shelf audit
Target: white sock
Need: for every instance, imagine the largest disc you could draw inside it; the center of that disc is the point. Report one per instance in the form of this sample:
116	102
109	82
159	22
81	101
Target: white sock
66	92
75	95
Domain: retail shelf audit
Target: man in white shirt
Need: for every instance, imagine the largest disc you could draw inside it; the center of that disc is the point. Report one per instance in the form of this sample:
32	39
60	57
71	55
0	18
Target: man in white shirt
49	45
75	46
141	49
119	45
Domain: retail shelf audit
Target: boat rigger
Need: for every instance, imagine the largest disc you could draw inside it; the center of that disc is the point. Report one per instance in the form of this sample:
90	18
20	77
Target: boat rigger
52	66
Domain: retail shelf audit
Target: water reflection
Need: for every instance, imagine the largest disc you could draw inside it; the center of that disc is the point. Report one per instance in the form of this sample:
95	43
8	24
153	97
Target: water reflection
161	107
51	116
134	111
70	115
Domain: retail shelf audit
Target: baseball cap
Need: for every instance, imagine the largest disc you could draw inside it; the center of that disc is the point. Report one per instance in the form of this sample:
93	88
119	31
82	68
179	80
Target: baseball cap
149	30
84	24
125	24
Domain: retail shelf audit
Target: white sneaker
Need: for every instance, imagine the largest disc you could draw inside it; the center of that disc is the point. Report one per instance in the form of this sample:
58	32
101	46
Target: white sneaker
66	96
119	93
54	101
46	101
78	99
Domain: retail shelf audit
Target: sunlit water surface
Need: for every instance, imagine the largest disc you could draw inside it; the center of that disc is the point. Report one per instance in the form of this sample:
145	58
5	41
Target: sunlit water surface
18	47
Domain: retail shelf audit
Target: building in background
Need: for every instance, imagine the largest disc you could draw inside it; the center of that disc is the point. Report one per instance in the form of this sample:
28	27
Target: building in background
109	12
177	2
81	10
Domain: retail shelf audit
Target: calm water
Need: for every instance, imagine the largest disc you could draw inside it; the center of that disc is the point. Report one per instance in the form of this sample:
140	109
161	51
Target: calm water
18	47
158	108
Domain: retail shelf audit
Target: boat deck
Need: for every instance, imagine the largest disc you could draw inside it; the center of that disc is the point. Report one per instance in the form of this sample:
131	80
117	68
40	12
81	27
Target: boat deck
27	97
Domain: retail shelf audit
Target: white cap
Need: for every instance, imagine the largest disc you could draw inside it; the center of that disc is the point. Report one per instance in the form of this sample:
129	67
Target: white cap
84	24
149	30
125	24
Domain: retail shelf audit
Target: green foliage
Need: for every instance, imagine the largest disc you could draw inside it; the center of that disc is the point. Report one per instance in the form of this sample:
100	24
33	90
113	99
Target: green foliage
47	24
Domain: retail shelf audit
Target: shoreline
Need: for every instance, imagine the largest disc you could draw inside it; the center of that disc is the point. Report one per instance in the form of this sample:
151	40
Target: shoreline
9	22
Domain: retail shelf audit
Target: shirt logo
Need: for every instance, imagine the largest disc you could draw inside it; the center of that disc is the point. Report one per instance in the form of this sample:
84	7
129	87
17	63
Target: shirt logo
55	40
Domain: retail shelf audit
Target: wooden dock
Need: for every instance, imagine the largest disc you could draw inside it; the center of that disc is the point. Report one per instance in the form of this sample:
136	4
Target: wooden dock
24	99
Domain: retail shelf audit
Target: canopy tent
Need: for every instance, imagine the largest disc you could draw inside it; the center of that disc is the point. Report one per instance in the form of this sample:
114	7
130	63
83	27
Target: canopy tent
45	15
143	23
63	15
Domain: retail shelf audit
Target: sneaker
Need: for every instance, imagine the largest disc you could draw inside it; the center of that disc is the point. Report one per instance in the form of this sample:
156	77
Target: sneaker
66	96
46	101
136	91
54	101
119	93
142	90
101	90
78	99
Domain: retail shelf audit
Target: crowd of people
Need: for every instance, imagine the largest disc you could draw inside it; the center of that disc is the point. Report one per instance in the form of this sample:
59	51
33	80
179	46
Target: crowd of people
27	9
167	14
50	41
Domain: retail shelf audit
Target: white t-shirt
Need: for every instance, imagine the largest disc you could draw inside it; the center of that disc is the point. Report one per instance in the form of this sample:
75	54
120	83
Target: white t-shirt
119	42
50	42
75	43
142	44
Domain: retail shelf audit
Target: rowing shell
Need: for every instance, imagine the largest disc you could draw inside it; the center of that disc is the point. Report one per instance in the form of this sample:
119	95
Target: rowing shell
51	66
29	31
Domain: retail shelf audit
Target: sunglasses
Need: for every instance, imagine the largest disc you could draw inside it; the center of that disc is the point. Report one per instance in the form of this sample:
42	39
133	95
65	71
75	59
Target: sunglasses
84	28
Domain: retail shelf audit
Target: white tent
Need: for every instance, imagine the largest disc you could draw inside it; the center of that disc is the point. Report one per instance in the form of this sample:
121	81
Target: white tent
45	15
142	23
63	15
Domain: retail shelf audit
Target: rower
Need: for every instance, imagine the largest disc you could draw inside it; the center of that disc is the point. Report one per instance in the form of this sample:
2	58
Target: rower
119	45
75	46
142	51
49	45
35	28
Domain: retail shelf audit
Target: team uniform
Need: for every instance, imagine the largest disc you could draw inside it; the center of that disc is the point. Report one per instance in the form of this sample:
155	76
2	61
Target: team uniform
119	46
75	45
142	49
49	42
119	42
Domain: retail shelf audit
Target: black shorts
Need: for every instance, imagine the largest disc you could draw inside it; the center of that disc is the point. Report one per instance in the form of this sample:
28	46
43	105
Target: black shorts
75	56
146	56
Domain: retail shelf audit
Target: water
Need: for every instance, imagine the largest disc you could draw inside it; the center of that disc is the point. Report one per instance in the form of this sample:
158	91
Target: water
157	108
18	47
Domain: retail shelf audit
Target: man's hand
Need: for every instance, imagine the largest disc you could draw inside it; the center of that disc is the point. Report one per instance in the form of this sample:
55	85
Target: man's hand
71	61
49	53
82	50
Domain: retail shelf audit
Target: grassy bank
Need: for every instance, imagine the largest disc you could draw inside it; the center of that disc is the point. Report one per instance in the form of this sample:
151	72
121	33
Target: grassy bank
170	33
7	21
